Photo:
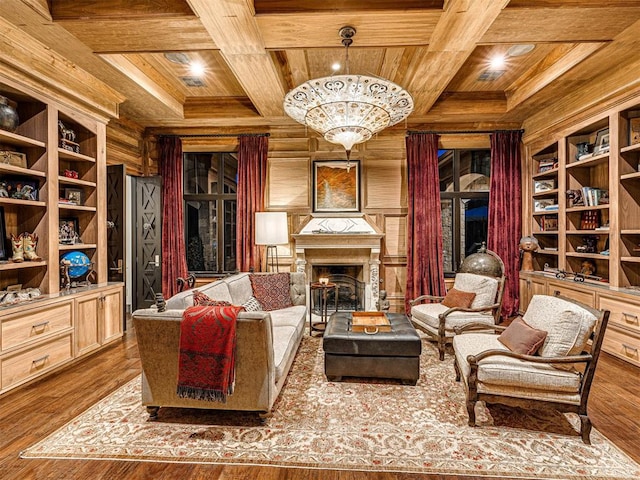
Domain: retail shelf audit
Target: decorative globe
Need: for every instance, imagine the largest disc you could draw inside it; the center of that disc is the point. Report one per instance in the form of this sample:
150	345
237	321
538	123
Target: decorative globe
484	262
79	263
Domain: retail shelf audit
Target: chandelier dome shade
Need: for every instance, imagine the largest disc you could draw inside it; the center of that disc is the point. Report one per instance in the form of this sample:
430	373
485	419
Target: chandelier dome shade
348	109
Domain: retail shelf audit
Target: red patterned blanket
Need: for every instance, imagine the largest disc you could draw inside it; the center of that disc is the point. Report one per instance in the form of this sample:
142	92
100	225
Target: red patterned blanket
206	369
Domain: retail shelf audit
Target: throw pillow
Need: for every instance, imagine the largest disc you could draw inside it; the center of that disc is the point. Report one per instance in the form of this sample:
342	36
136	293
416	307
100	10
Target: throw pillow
522	338
200	298
252	305
271	290
458	298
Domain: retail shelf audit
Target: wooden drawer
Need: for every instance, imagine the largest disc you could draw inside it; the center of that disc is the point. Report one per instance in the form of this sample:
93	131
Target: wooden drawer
622	343
581	294
36	360
623	313
43	322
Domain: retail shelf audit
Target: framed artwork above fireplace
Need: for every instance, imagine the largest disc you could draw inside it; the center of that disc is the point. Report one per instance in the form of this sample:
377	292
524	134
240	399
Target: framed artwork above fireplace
336	186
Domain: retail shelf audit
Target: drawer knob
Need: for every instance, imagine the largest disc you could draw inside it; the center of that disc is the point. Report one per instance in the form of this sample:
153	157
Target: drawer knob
40	362
630	318
40	327
630	351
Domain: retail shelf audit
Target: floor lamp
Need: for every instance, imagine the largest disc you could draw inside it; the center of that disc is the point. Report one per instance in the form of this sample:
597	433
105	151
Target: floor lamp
272	230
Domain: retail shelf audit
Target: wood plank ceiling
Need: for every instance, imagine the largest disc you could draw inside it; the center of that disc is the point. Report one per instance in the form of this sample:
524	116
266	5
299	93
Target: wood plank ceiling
254	52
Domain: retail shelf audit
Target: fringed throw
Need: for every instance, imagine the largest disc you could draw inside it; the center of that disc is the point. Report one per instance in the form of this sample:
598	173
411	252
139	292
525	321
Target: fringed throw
206	369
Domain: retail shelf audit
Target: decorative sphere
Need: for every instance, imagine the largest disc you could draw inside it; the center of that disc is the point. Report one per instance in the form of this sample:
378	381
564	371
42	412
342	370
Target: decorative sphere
483	262
79	263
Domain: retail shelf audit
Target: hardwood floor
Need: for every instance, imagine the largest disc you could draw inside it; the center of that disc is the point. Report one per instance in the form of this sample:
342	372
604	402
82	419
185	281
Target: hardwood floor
35	410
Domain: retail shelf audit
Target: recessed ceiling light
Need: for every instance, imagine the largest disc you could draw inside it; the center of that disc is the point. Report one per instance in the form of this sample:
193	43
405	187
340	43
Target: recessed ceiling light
522	49
177	57
497	62
196	69
490	75
335	67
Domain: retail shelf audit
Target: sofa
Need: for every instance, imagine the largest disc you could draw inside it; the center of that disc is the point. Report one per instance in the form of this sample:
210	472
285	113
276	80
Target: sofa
267	342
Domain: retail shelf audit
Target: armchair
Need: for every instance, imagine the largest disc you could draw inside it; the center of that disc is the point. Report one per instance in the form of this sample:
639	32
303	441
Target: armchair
482	276
559	377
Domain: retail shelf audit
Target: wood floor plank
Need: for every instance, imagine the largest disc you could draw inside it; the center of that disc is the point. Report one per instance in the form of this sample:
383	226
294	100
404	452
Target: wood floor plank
33	411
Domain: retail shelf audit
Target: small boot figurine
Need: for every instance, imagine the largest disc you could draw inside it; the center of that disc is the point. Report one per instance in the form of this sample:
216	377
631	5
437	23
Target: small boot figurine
17	247
29	245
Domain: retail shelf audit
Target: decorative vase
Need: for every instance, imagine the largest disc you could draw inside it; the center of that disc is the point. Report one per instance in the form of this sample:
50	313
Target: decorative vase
8	115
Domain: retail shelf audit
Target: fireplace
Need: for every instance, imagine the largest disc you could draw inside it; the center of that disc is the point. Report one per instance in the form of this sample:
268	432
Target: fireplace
349	294
347	245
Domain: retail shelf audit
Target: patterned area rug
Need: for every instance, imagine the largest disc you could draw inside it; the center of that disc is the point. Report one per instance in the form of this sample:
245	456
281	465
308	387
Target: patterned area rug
353	425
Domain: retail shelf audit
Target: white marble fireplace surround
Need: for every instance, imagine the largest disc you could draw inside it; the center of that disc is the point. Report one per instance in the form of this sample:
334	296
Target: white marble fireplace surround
336	239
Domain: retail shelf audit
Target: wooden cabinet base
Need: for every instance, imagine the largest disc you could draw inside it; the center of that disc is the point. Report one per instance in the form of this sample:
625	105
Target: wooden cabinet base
49	333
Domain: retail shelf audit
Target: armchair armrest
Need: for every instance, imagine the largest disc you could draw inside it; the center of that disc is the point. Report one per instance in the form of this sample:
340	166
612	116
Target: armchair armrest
419	299
583	358
471	327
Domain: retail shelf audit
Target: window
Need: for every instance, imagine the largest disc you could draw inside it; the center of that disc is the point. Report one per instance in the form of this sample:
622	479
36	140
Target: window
464	197
210	199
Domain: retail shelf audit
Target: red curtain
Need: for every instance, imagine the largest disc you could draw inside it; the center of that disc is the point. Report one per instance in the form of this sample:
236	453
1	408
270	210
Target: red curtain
174	259
505	210
252	178
425	270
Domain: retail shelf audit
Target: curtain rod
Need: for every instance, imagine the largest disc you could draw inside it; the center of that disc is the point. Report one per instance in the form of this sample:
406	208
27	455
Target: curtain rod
214	135
458	132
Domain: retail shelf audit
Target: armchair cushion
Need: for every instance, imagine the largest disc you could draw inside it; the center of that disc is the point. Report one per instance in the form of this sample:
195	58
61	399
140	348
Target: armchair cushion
485	288
426	316
514	377
568	326
458	298
522	338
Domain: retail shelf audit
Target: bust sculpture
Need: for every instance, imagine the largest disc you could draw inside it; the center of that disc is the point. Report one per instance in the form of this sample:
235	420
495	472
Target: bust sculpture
528	245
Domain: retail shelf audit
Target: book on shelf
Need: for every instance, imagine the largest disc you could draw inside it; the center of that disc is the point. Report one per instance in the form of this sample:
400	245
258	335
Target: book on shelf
590	220
540	186
593	197
549	223
546	165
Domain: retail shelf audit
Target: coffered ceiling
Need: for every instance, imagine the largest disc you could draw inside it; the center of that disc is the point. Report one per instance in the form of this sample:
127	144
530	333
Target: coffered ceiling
253	52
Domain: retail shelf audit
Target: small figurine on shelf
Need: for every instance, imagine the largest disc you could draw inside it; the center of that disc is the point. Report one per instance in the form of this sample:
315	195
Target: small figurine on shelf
67	138
383	303
528	245
17	248
588	268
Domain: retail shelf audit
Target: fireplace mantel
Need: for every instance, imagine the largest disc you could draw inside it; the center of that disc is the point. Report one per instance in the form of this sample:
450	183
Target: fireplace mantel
341	240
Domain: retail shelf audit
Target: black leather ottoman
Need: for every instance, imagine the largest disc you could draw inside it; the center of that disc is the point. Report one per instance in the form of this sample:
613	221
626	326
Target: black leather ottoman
394	354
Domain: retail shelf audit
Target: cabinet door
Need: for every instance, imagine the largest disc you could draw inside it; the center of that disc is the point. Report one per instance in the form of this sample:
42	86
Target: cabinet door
111	310
87	324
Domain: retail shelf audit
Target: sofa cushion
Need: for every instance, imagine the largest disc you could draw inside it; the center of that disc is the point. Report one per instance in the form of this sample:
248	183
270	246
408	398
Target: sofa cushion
272	290
200	299
239	287
522	338
485	288
568	326
291	316
284	346
216	290
458	298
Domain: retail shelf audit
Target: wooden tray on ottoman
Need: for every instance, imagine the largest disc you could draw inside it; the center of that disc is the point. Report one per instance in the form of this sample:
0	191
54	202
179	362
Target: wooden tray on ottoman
370	322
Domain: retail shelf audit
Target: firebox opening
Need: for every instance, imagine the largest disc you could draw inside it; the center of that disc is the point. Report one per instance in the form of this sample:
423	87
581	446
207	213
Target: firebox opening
349	294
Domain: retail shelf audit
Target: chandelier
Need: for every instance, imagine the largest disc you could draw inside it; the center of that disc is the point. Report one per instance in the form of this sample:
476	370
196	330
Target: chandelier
348	109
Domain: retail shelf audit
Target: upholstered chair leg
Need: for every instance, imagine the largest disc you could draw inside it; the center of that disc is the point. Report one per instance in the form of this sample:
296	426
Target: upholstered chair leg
457	369
471	411
585	429
153	412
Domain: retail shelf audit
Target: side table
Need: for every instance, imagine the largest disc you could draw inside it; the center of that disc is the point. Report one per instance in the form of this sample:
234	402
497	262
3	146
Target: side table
324	289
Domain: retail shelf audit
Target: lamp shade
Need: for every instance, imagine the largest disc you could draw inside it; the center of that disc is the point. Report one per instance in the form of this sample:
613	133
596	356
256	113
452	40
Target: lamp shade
271	228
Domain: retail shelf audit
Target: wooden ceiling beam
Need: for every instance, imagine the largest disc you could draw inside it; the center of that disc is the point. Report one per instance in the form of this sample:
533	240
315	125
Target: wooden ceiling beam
102	9
299	6
575	55
233	27
395	28
129	68
455	37
219	107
